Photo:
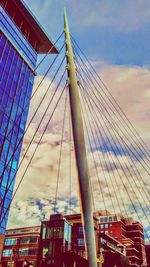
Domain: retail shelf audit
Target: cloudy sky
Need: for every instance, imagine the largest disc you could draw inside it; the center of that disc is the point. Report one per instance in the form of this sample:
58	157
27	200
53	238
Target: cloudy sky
115	37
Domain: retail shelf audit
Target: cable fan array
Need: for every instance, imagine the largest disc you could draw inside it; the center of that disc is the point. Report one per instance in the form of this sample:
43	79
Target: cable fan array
118	157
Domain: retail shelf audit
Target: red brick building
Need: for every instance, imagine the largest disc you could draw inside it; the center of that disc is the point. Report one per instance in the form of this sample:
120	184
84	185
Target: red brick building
109	250
126	231
115	237
134	231
147	248
20	244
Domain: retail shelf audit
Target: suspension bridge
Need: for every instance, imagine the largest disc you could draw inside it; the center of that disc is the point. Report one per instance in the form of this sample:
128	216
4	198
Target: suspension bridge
111	157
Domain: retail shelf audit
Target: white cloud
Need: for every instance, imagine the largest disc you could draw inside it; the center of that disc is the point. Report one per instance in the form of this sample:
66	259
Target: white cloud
35	198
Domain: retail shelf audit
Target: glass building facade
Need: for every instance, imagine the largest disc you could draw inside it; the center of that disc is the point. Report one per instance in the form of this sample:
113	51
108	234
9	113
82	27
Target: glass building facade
17	63
15	92
55	240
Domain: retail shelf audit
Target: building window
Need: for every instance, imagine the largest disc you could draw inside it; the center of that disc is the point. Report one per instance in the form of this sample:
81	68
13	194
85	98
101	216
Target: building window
106	232
80	242
101	226
43	231
105	219
32	251
102	241
7	252
29	239
23	251
10	241
110	219
115	218
30	230
12	232
33	239
44	251
25	240
67	232
106	225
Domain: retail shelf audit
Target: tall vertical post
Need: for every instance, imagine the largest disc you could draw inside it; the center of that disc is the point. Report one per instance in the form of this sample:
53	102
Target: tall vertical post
80	152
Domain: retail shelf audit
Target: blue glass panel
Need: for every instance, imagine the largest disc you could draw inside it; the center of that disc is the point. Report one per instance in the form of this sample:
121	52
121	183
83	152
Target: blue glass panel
7	202
2	192
1	167
4	181
2	44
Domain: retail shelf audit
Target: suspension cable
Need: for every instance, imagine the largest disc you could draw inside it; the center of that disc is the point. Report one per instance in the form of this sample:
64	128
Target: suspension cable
107	164
91	149
49	51
121	112
102	113
130	197
21	139
132	203
35	91
3	217
33	137
91	111
137	144
60	155
120	164
116	131
118	120
27	81
107	167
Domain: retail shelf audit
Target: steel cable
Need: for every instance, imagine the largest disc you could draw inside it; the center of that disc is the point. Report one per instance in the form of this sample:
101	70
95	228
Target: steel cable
121	112
45	112
111	108
5	213
60	155
21	139
115	130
